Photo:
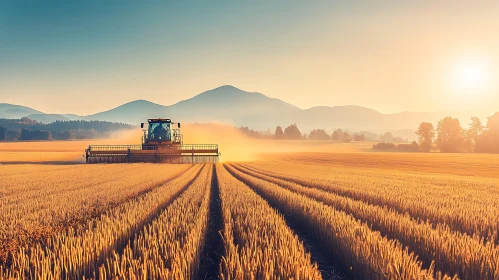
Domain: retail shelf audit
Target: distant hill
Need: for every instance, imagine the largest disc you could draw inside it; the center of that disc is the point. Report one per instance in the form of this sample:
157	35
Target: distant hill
133	112
48	118
10	111
353	117
224	104
73	117
233	106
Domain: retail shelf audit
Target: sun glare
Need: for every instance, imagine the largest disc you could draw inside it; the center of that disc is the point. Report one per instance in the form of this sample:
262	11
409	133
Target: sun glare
470	76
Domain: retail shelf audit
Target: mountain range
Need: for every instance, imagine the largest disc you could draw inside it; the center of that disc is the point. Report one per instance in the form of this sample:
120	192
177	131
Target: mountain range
230	105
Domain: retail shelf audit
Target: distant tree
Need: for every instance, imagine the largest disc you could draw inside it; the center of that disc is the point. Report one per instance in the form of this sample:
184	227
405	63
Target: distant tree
67	135
413	147
476	128
268	133
46	135
488	141
3	133
346	137
35	135
338	135
252	133
493	133
384	146
387	137
26	120
493	124
279	134
426	134
450	135
13	135
245	130
369	136
292	132
319	134
359	137
473	133
25	135
467	142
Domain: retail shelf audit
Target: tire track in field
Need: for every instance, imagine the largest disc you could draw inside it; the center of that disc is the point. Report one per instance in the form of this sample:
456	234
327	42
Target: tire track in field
213	249
137	228
457	226
331	267
421	238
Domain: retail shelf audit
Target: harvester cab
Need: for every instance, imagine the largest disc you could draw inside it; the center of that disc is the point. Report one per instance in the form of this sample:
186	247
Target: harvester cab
161	132
161	142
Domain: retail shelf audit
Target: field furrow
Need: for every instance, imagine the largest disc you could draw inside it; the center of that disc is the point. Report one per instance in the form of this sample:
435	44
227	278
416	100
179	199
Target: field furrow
78	252
170	246
469	208
453	253
365	252
258	243
213	246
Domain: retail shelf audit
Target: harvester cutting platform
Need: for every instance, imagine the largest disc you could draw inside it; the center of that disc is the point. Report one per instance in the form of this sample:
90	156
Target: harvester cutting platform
162	142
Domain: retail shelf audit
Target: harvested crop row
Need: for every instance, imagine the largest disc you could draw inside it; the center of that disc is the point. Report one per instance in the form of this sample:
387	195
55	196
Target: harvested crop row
454	253
170	246
364	251
80	252
28	217
258	243
465	206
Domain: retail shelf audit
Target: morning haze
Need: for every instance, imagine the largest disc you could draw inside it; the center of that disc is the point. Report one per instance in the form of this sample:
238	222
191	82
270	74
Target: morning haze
275	139
391	56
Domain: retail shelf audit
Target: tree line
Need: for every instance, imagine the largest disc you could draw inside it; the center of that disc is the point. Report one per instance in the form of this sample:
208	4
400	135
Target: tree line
450	137
292	132
27	129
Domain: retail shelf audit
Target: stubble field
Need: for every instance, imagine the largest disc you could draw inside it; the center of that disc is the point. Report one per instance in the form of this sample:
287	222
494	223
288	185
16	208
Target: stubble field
301	215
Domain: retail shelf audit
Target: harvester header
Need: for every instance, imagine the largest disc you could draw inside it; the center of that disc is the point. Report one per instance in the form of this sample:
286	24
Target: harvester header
161	142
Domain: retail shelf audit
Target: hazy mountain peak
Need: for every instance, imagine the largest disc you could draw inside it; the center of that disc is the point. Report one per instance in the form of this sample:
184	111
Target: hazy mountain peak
8	106
140	102
227	87
11	111
227	90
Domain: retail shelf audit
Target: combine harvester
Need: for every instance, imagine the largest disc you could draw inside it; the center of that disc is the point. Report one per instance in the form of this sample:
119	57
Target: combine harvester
162	142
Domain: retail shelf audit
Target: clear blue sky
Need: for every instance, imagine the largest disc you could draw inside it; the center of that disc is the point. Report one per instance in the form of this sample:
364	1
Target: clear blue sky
87	56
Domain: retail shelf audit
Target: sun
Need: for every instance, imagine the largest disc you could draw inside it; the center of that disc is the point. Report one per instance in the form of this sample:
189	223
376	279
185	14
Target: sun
470	76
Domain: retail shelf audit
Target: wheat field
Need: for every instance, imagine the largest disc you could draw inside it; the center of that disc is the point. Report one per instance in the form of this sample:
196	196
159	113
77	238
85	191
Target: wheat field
300	215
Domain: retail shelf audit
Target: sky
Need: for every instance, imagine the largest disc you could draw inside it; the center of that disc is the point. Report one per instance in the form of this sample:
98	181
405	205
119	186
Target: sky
84	57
